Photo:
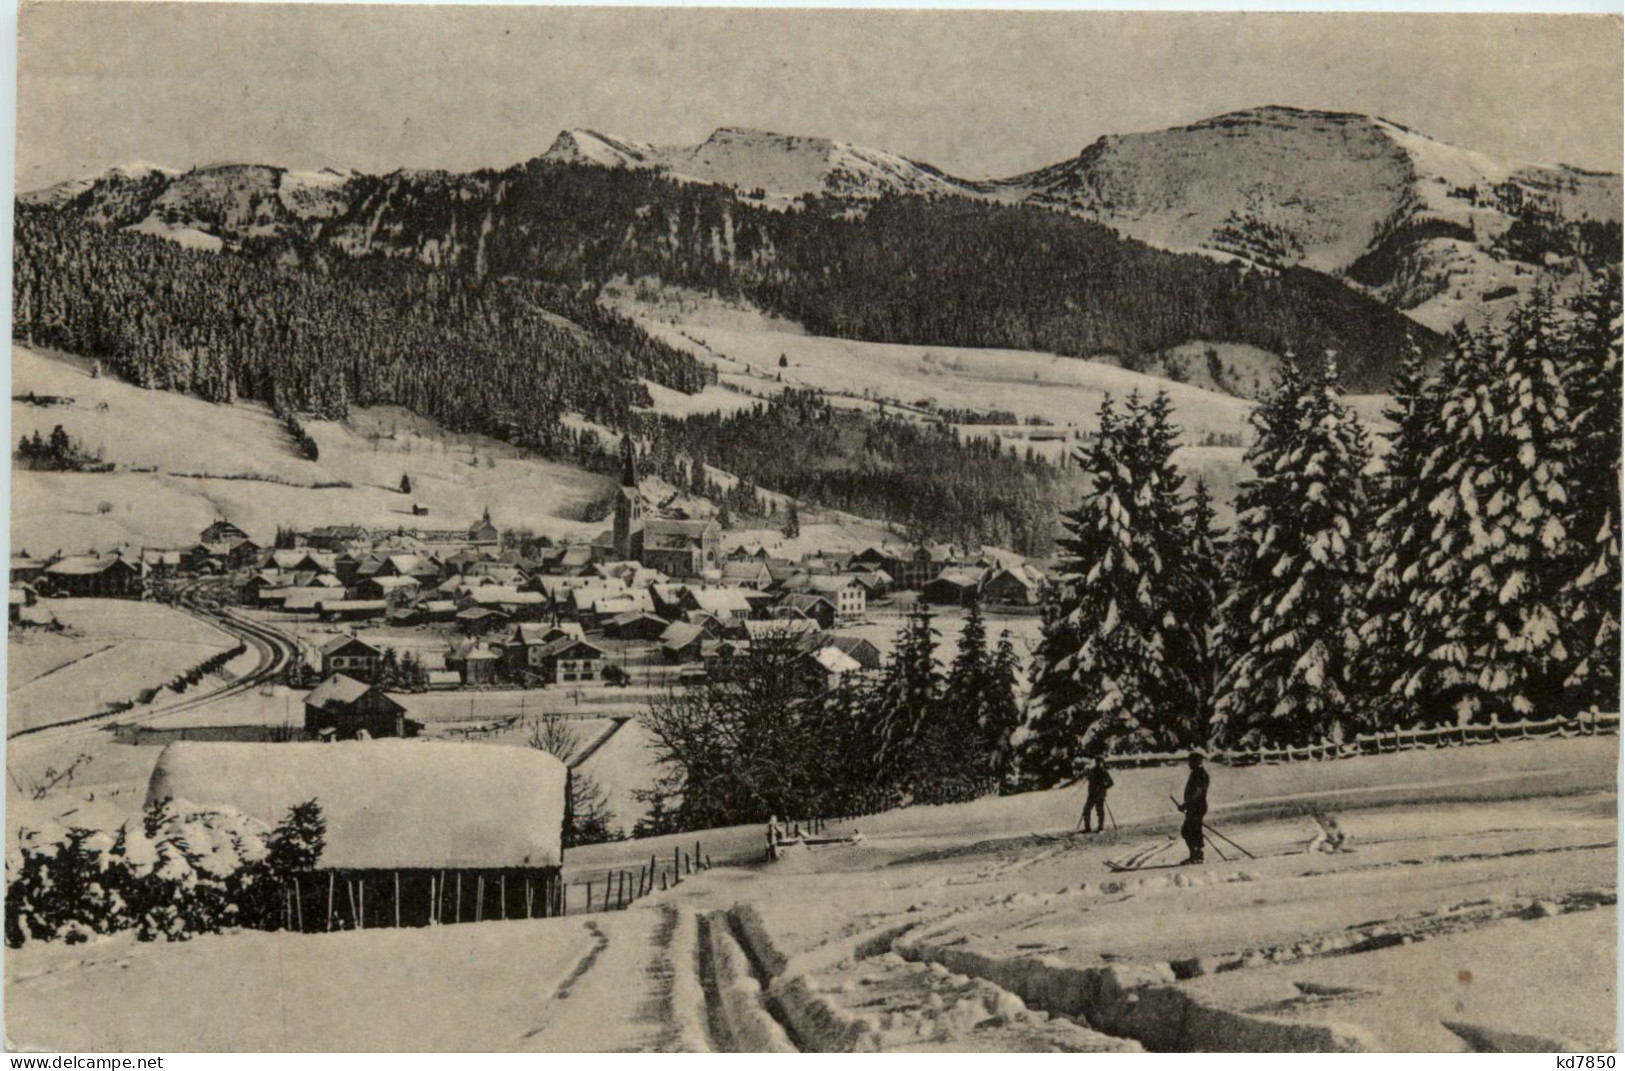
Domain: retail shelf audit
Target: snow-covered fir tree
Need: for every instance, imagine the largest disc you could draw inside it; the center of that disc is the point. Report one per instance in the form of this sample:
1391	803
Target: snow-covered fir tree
909	691
1485	634
1592	598
1286	634
1396	544
1001	716
1192	618
1104	676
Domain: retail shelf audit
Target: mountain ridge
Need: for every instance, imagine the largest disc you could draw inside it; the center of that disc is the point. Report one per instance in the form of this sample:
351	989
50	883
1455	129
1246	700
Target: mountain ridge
1441	233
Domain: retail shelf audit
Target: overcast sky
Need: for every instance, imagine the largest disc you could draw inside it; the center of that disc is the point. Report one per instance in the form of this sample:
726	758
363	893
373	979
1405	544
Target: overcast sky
978	94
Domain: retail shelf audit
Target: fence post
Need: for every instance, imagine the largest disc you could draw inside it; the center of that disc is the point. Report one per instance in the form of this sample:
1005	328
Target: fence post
676	865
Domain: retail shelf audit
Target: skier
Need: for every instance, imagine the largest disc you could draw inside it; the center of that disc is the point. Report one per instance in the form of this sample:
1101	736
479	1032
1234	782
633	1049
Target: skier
1099	779
1194	808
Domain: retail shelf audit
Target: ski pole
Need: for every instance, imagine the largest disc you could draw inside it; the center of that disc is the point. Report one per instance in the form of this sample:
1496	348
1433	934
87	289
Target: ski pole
1211	843
1112	816
1228	841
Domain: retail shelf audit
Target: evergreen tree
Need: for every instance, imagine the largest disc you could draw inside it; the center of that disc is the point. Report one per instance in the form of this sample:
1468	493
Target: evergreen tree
1286	631
1193	616
1001	714
389	668
1112	671
1592	598
296	844
1396	544
909	690
968	694
1485	634
406	484
792	522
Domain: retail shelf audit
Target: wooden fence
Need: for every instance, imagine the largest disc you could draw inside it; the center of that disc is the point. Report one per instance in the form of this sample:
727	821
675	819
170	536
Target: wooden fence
619	889
1590	723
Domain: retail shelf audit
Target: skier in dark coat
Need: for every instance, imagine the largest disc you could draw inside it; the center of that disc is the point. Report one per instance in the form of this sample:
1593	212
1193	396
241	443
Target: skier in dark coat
1100	780
1194	808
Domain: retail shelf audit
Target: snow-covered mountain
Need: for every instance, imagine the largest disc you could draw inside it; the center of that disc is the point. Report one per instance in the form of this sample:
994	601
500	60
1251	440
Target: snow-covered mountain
1439	232
1420	223
782	166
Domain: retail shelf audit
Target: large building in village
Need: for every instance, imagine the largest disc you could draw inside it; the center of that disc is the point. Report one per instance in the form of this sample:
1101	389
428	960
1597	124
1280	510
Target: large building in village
680	548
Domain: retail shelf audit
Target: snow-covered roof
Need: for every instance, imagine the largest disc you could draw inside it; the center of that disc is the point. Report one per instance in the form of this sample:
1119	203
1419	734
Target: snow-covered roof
835	660
338	643
720	600
680	634
84	566
388	803
339	689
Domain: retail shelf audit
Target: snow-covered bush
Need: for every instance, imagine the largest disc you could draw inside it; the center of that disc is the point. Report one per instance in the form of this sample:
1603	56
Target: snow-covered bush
183	870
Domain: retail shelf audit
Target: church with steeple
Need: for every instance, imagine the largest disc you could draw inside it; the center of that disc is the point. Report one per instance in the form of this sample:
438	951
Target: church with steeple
627	538
682	549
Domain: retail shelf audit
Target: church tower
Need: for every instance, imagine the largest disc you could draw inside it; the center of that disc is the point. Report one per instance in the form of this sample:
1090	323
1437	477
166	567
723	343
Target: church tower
628	507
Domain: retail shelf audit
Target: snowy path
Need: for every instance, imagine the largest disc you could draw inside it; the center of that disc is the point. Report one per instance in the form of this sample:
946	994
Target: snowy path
619	995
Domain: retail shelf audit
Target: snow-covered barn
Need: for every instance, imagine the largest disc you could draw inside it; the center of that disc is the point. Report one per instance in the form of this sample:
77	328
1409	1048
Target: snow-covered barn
417	833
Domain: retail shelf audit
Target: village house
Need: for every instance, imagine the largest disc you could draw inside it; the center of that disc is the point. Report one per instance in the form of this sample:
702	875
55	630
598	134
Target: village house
388	588
819	670
341	708
1010	587
332	609
750	573
162	564
222	531
914	567
560	660
22	596
952	587
681	642
339	538
809	606
26	570
418	833
860	650
352	656
849	597
572	661
722	603
222	557
635	625
876	582
93	577
478	620
475	664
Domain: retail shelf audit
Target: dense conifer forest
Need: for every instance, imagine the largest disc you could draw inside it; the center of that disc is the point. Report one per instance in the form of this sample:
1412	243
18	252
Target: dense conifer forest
505	358
919	476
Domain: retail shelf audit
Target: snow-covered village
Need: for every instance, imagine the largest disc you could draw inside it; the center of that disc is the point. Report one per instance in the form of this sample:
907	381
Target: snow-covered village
730	588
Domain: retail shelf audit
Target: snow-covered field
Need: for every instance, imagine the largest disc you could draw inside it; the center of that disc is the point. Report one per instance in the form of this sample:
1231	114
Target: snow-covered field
1064	390
114	649
1480	892
455	476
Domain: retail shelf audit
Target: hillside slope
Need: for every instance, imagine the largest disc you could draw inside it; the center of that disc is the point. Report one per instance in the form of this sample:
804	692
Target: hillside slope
170	435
